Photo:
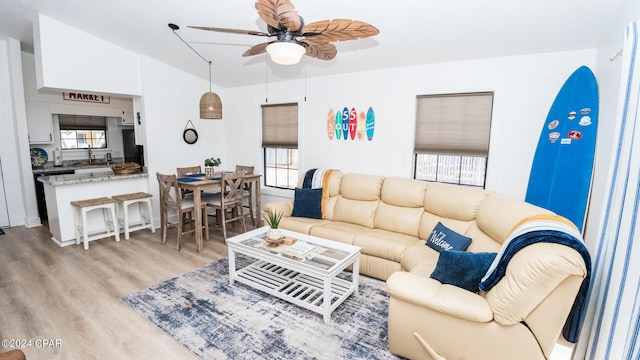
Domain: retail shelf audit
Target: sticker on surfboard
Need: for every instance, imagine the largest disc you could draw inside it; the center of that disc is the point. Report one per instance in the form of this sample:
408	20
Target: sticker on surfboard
338	125
331	124
353	117
345	123
370	123
361	127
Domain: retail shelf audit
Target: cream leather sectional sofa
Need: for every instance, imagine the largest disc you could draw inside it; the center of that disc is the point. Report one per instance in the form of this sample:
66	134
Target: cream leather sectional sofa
390	218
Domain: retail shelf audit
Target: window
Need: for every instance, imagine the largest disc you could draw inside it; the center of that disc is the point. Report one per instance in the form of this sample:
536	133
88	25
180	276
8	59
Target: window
81	132
452	138
280	143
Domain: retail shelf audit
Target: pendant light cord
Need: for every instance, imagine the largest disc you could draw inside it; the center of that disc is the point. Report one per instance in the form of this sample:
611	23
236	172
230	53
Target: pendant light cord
175	27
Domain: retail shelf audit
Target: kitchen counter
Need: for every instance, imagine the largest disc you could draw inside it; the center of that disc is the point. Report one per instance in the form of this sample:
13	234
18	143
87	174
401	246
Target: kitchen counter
61	190
74	165
70	179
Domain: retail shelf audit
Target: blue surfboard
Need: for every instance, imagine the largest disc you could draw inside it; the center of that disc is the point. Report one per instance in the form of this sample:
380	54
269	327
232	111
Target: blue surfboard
370	123
561	173
345	123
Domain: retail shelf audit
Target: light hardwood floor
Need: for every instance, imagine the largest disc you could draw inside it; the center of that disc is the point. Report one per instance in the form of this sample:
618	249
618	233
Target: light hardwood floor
69	299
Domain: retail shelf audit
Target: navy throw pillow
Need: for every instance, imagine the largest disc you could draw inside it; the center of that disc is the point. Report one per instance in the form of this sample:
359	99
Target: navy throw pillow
462	269
443	238
307	203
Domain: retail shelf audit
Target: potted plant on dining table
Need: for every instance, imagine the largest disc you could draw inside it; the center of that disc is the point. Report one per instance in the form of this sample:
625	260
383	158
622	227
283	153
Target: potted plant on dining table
210	166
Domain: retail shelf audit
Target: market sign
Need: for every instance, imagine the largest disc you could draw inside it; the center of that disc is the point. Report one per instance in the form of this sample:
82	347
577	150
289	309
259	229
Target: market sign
74	96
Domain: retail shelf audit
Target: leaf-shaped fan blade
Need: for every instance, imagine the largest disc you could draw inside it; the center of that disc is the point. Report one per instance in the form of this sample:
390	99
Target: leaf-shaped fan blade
276	12
322	51
338	30
257	49
232	31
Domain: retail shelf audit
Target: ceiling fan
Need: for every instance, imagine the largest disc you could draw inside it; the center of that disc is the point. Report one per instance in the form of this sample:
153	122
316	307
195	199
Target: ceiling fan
293	37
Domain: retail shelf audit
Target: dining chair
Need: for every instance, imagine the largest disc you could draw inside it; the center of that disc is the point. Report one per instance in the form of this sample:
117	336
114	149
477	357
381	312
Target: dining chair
171	202
247	192
184	171
229	199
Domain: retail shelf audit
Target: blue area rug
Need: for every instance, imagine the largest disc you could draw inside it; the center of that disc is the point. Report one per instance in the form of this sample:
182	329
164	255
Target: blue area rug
216	320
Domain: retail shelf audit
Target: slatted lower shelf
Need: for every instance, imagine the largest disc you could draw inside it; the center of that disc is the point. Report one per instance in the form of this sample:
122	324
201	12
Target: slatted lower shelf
300	289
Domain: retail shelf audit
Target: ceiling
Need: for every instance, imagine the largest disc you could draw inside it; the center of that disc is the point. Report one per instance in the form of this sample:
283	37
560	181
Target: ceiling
411	31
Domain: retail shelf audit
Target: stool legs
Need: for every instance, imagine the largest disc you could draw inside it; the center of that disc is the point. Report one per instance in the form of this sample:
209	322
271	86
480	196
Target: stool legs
83	207
146	215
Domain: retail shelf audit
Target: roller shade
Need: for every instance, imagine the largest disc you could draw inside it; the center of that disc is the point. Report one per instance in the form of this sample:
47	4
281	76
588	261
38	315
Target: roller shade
455	124
82	122
280	125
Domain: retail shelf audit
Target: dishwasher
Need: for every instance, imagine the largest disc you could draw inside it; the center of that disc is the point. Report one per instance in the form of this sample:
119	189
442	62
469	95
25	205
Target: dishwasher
42	203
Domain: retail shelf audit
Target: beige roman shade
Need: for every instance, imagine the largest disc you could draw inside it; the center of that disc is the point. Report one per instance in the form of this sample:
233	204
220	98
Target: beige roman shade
455	124
280	125
82	122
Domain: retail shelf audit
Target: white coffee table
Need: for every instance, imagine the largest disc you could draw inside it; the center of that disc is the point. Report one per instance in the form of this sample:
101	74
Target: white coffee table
307	280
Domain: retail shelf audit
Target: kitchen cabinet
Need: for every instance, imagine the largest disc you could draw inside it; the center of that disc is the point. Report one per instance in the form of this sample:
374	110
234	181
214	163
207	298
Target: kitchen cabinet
127	118
39	123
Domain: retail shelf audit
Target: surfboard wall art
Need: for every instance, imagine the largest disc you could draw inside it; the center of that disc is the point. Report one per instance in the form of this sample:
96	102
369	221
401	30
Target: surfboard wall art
562	169
350	124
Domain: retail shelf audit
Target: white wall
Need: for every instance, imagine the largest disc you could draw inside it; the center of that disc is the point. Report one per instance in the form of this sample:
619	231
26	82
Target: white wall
524	87
14	148
57	105
67	58
171	98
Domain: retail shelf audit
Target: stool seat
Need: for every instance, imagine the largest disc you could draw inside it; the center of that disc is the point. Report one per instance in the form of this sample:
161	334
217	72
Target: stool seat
132	196
93	202
143	200
83	207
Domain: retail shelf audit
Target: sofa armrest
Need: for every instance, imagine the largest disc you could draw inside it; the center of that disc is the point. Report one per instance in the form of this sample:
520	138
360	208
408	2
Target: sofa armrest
431	294
285	207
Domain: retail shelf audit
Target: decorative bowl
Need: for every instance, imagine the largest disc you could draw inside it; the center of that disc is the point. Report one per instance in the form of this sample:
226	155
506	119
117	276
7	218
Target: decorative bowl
127	168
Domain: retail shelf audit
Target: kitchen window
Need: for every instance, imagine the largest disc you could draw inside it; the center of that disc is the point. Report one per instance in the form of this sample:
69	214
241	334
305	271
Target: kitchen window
82	132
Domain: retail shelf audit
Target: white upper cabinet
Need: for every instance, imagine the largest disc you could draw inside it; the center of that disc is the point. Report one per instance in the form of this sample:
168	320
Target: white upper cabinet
39	123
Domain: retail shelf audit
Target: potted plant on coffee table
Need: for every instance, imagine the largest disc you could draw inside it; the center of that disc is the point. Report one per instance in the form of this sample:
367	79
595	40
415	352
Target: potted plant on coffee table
274	235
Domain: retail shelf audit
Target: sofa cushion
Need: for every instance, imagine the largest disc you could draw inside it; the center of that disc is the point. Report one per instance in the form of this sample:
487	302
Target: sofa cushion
404	220
453	202
443	238
343	232
307	203
358	212
403	192
361	187
462	269
384	244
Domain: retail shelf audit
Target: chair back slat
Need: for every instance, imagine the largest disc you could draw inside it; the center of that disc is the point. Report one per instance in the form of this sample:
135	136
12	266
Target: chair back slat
168	185
233	184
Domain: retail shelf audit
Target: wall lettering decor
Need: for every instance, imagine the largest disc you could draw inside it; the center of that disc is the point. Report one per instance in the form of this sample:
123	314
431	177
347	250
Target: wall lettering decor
350	124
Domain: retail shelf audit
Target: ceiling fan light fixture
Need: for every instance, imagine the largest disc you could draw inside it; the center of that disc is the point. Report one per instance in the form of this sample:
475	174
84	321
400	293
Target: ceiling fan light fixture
285	52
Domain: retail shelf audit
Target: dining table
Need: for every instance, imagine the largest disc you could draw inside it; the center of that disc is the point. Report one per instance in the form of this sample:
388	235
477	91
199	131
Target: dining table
197	183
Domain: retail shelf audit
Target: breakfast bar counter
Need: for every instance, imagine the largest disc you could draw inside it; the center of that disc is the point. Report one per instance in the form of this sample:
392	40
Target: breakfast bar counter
61	190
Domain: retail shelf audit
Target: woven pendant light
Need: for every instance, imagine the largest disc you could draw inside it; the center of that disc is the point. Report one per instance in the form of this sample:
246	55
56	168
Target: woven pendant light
210	104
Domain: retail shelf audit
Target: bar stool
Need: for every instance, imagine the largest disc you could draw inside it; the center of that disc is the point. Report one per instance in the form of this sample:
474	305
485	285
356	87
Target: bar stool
82	207
144	206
